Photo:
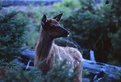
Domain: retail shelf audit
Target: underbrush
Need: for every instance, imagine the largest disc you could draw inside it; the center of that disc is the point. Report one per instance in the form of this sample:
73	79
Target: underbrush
11	72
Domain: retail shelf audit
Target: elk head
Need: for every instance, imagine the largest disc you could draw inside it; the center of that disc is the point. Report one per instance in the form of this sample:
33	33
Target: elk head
53	28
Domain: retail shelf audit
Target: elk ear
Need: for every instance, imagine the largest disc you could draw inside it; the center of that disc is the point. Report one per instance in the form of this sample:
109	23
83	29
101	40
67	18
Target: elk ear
58	17
44	18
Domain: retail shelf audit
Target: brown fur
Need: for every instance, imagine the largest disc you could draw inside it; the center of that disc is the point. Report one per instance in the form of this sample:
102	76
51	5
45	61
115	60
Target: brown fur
48	51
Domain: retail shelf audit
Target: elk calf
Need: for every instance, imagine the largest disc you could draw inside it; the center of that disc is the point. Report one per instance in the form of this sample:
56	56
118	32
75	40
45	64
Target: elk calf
47	50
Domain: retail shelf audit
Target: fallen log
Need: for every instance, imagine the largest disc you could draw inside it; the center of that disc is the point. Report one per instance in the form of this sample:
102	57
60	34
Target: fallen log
102	72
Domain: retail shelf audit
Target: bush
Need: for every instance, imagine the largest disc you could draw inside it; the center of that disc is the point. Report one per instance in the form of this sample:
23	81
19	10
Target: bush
0	5
32	34
116	36
89	29
12	34
14	73
67	6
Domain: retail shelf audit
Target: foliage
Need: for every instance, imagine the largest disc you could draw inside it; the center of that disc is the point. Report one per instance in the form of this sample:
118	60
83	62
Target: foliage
12	34
59	73
0	5
115	37
31	34
88	27
85	72
67	6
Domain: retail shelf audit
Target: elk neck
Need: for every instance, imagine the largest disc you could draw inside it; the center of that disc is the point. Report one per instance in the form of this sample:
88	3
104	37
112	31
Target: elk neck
44	45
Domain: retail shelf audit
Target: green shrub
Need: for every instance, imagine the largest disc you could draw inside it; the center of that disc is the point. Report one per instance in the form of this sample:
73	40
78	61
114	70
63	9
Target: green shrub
67	6
15	73
32	34
12	34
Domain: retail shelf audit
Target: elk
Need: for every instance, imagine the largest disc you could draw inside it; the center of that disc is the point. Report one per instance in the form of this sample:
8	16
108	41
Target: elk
46	49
